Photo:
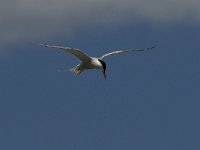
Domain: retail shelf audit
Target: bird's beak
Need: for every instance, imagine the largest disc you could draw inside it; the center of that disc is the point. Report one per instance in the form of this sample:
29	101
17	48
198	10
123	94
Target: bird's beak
104	73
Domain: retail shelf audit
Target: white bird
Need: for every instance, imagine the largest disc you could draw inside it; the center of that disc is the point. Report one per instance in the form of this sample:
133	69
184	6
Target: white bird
87	62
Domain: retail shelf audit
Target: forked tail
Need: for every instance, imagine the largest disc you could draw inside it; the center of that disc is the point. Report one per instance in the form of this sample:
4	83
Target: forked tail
76	70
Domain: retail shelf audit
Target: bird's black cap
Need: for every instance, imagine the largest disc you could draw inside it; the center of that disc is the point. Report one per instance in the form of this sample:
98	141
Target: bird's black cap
104	67
103	64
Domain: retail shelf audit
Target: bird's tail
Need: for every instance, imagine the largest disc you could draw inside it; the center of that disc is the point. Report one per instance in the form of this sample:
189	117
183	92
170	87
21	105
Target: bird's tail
73	70
76	70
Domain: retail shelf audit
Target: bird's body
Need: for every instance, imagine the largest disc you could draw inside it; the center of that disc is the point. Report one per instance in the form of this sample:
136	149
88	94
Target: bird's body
87	62
84	65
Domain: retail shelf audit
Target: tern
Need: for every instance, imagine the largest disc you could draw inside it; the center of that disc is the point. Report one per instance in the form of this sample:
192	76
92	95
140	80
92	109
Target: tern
88	62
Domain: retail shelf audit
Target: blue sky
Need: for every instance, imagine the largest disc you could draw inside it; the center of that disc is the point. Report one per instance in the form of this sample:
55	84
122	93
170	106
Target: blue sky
149	101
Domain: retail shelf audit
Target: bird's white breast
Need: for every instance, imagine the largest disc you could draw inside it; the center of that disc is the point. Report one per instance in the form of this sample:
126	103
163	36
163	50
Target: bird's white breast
95	63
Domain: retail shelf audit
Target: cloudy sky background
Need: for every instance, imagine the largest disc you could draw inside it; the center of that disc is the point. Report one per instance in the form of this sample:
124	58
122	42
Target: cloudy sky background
149	101
37	19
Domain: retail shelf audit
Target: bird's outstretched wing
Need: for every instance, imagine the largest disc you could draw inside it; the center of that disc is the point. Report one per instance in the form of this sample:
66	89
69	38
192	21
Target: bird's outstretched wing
78	53
126	50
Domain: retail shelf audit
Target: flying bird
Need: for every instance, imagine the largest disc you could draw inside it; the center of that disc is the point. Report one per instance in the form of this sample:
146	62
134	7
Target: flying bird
87	62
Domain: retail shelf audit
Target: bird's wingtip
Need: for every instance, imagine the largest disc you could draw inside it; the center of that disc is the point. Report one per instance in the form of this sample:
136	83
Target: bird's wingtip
45	45
36	44
42	45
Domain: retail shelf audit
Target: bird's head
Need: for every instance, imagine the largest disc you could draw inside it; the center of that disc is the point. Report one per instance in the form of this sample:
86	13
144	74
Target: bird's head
103	67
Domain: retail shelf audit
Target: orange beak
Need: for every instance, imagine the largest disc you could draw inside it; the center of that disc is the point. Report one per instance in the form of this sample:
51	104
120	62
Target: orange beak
104	73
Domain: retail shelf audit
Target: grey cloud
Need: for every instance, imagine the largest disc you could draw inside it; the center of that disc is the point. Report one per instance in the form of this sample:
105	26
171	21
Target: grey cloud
32	19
